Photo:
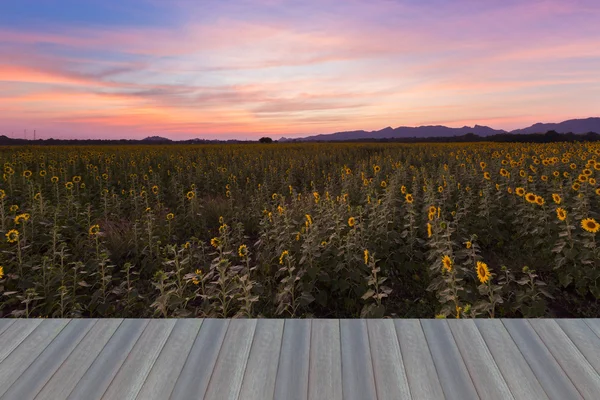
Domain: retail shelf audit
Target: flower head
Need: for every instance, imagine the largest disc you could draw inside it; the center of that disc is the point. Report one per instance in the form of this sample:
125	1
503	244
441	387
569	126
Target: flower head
590	225
243	251
351	222
561	214
447	263
483	272
283	255
12	236
94	230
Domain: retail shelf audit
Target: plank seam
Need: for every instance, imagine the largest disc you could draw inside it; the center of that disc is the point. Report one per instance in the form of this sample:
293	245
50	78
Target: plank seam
126	358
591	328
556	359
61	364
21	341
366	325
187	357
433	360
217	359
580	350
467	365
402	359
341	355
310	341
279	358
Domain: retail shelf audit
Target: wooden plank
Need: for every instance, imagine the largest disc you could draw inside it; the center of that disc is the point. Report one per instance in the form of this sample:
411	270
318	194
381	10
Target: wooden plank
388	367
261	370
584	338
226	380
358	380
485	374
420	370
162	378
5	324
452	371
292	374
518	375
132	374
550	375
12	337
325	369
575	365
594	324
77	363
96	379
28	350
195	375
31	381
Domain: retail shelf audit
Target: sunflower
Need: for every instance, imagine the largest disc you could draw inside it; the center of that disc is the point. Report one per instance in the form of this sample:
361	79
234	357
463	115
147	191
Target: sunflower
383	184
587	172
309	220
2	194
243	251
196	279
76	179
592	181
366	256
409	198
561	213
487	175
376	168
403	189
530	197
54	179
170	216
432	209
155	189
575	186
539	200
274	196
483	272
582	178
351	222
12	236
94	229
447	263
14	208
316	196
598	190
215	242
556	174
1	272
190	195
590	225
556	198
468	244
520	191
283	255
69	185
27	174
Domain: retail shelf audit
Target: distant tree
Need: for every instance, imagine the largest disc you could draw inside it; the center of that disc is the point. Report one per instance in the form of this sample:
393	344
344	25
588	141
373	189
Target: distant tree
265	140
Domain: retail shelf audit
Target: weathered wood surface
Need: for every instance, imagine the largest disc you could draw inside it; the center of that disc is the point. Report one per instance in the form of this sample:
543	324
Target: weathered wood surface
334	359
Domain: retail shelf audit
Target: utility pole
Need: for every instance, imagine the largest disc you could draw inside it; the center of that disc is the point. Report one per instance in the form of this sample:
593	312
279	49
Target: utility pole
34	135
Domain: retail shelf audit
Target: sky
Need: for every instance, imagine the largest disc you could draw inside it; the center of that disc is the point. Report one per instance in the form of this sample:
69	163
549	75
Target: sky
241	69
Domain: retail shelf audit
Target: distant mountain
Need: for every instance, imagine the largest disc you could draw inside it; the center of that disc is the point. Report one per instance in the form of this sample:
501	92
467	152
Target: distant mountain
155	139
403	132
572	125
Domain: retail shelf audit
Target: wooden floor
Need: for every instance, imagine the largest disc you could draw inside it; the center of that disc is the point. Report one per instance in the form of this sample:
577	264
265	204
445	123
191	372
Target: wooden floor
299	359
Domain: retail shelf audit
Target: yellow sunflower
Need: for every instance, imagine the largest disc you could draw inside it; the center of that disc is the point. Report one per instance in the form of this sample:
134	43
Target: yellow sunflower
556	198
539	200
561	213
520	191
243	251
283	255
215	242
170	216
409	198
94	229
429	232
12	236
530	197
447	263
351	222
366	256
590	225
483	272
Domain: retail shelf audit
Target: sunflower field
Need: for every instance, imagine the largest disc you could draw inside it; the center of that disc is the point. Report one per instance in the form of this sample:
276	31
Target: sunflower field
301	230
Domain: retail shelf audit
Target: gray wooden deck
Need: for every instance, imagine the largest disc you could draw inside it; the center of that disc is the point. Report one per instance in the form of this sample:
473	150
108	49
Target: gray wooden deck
299	359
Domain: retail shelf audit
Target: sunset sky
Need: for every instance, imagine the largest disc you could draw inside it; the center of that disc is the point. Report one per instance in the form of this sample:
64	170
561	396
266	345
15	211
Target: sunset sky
244	69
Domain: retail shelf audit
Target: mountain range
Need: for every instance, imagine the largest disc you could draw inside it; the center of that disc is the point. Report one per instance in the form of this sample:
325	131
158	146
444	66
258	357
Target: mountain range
577	126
